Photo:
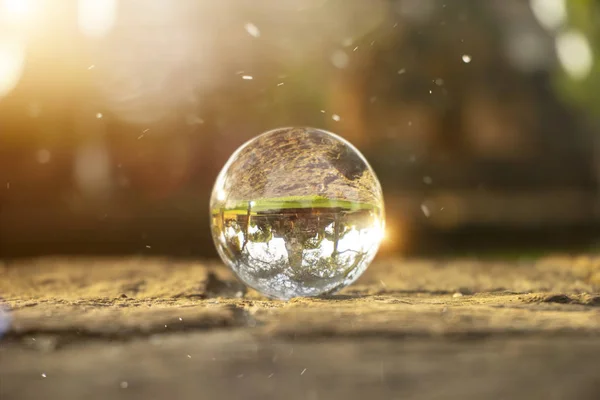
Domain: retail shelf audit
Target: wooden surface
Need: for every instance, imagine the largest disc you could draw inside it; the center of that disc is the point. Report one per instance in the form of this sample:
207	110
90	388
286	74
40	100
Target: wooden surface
151	328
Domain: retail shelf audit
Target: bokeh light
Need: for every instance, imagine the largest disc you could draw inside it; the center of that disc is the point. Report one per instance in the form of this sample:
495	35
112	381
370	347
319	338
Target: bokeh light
93	169
575	54
551	14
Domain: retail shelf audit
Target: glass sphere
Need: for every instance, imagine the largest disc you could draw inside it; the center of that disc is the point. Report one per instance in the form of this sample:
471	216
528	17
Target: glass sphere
297	212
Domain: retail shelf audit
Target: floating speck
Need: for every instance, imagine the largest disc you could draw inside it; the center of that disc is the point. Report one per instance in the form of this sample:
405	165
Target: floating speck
148	246
91	67
427	180
270	375
181	319
322	111
430	92
457	294
43	375
356	48
252	29
425	210
439	81
124	385
99	115
247	77
466	58
240	376
189	356
8	185
336	117
280	84
401	71
347	42
303	371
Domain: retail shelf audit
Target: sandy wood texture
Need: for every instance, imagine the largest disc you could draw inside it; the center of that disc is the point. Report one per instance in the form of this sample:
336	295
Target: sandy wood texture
152	328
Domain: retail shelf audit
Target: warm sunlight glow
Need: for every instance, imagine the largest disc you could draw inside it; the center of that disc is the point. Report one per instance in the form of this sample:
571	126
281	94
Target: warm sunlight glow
12	58
19	15
16	11
96	17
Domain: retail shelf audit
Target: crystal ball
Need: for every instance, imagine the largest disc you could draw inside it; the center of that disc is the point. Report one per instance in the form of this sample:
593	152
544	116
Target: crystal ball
297	212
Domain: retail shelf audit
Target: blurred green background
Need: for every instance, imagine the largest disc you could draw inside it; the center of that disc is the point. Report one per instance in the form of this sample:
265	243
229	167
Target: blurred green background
479	117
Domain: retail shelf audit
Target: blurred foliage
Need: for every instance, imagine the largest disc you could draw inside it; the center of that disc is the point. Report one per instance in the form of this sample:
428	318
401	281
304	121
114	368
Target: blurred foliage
493	141
584	17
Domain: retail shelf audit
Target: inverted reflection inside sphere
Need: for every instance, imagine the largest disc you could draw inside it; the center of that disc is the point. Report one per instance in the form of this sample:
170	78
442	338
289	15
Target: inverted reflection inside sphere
297	212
